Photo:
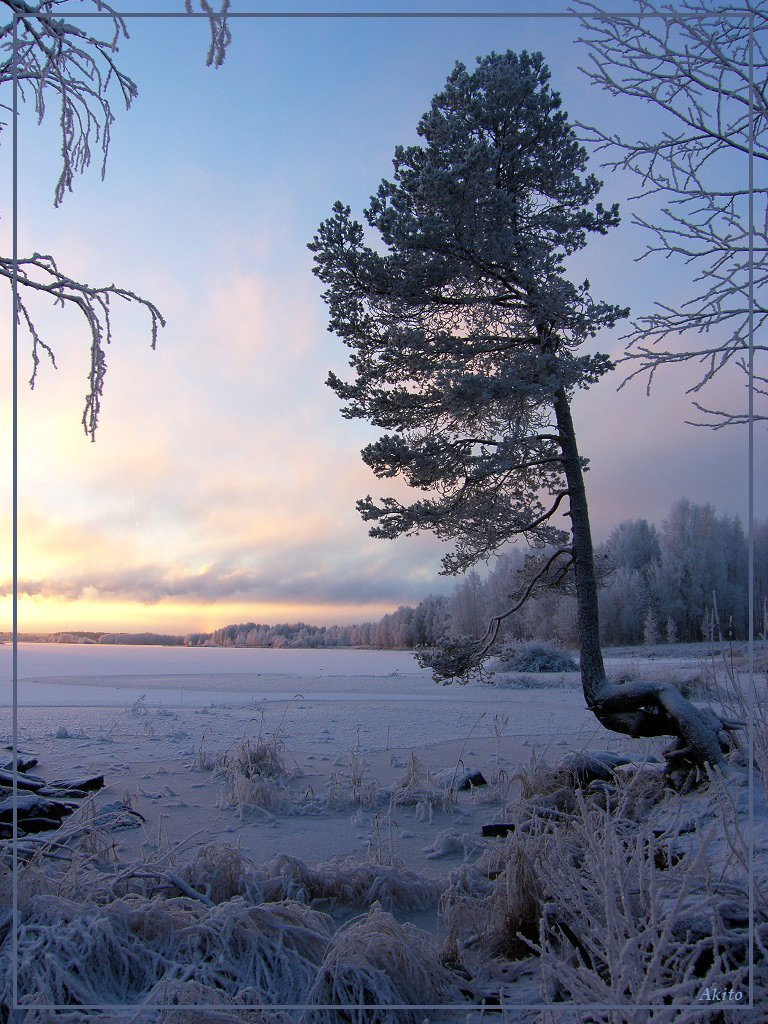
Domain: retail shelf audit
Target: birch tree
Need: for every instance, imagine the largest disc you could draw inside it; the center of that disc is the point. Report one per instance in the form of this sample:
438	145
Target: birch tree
468	343
74	70
691	62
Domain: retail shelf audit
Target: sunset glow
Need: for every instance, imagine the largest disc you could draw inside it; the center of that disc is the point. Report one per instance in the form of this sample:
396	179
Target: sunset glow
222	484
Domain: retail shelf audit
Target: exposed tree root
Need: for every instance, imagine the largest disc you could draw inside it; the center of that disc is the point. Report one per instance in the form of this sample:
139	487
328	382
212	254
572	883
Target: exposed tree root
646	709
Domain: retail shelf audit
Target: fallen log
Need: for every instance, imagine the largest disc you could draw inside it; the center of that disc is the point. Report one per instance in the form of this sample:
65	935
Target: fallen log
27	782
31	809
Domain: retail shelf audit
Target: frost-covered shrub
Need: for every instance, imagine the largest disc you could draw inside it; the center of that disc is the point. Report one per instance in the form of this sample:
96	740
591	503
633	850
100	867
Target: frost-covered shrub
349	883
375	963
534	656
532	681
625	890
79	954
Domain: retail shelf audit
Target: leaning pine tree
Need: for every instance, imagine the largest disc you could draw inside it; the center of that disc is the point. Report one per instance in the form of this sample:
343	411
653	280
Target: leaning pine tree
465	337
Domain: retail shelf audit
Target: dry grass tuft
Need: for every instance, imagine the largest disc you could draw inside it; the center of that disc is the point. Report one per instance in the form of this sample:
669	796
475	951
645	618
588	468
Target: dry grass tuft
489	905
254	775
227	1010
349	883
348	789
119	952
220	872
373	963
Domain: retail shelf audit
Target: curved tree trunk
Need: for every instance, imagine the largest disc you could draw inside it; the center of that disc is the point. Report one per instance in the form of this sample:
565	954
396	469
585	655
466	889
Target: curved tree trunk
636	709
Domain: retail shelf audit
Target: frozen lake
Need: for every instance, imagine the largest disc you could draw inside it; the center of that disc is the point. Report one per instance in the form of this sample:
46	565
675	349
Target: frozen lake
142	704
65	675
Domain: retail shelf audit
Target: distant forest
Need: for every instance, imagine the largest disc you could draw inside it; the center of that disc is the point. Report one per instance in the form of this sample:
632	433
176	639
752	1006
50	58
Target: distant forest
682	582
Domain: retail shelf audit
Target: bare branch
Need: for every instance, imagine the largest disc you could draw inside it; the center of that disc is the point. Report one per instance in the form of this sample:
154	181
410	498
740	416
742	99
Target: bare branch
40	274
75	68
462	657
691	61
221	36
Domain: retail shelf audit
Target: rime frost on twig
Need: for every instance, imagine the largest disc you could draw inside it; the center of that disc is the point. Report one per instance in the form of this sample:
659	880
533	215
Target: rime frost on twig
40	274
695	71
221	36
58	63
377	960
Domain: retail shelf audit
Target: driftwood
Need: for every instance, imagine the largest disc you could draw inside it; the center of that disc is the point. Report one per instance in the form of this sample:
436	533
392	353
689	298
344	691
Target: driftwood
27	782
40	806
23	764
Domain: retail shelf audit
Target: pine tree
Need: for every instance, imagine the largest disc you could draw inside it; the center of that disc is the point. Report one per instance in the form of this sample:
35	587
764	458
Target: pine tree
466	335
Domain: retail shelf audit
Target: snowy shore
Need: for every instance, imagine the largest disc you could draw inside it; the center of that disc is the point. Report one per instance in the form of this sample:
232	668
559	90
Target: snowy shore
331	759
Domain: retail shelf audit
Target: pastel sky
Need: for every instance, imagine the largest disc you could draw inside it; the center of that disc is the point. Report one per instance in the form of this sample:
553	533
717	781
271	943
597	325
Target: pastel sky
222	484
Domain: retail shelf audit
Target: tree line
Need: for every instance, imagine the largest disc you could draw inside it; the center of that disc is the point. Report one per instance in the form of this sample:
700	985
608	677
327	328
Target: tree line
682	582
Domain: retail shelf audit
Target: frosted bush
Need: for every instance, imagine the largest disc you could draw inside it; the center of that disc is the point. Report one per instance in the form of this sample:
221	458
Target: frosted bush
535	656
119	952
375	963
625	923
350	883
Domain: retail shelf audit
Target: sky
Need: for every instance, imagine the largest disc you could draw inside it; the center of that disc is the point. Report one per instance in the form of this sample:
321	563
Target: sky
222	484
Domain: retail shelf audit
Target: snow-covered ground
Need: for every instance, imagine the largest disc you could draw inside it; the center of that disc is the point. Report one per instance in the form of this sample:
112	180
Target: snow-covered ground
368	742
145	716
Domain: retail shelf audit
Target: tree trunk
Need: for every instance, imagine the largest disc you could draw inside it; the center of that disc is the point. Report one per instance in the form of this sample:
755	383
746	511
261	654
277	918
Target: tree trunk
592	668
635	709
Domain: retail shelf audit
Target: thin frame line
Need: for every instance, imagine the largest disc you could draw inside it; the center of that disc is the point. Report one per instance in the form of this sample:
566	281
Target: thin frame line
14	517
14	514
751	516
236	15
448	1007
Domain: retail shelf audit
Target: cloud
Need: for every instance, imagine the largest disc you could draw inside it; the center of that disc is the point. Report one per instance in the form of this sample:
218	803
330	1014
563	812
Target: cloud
288	577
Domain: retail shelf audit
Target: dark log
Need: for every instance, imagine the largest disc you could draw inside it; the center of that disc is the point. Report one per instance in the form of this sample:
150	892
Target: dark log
23	763
37	823
74	787
499	829
582	768
30	805
473	779
27	782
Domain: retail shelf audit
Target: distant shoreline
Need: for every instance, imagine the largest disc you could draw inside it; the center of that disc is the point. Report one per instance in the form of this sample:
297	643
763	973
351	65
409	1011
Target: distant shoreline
94	637
695	648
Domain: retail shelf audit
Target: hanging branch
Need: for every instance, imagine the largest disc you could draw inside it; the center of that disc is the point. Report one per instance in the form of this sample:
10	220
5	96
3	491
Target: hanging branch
75	69
41	274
